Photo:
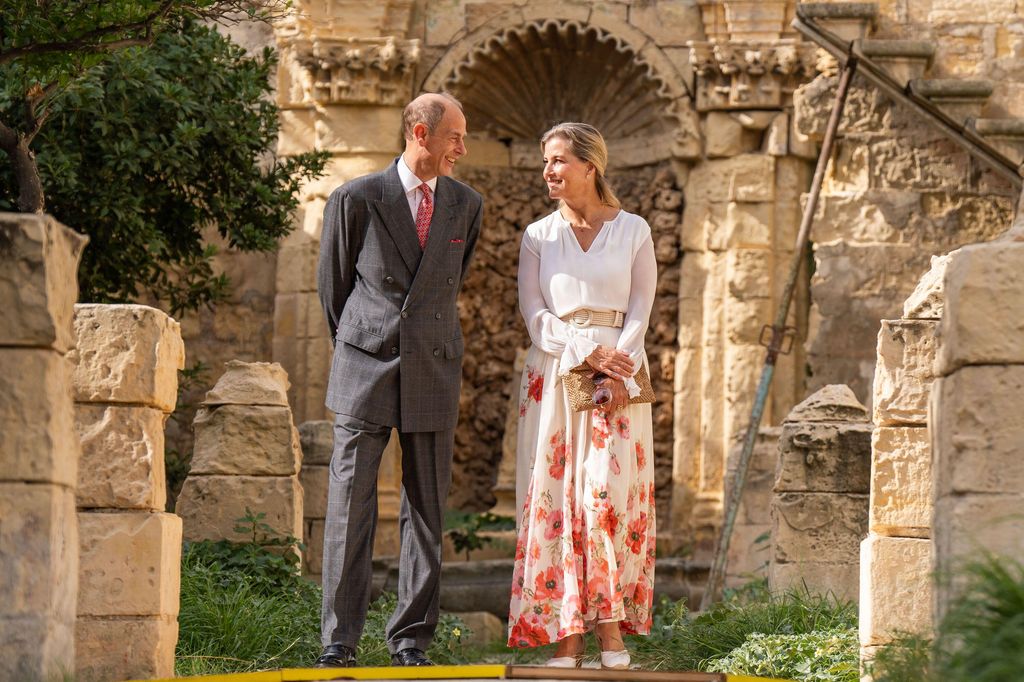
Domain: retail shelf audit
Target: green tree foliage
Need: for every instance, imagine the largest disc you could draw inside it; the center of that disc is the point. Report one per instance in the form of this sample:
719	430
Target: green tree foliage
148	149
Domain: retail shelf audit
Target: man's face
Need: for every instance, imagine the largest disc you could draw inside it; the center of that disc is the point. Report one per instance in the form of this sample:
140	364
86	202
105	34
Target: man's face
442	148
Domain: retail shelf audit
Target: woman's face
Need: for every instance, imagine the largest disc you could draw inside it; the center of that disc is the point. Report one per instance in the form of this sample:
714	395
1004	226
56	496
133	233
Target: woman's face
566	175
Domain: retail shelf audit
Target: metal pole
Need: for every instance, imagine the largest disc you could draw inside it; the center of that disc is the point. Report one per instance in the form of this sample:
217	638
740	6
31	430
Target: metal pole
778	336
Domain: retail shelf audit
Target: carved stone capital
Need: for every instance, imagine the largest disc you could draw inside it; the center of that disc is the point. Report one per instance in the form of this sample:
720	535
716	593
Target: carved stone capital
356	70
739	75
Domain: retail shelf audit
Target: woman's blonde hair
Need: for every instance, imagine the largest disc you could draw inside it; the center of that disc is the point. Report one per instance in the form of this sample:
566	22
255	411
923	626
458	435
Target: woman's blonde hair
587	144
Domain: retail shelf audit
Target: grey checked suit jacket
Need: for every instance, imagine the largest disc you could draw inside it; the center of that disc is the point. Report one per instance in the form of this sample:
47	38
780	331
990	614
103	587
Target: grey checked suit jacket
390	306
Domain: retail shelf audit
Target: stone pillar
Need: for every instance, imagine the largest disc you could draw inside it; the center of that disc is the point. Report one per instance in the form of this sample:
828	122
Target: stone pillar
125	385
750	544
975	415
38	448
317	438
246	457
345	75
505	486
895	560
820	500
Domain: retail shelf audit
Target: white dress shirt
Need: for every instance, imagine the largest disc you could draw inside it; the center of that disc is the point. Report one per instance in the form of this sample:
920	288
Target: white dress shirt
411	185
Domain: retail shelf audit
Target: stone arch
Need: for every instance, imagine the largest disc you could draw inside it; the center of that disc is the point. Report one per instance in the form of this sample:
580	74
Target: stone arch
616	77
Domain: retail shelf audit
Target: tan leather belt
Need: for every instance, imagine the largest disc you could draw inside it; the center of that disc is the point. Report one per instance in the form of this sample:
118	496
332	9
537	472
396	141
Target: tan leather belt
595	318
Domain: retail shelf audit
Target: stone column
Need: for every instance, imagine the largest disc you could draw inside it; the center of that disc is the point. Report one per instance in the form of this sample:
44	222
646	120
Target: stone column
38	448
975	414
246	457
750	544
895	560
317	438
820	501
344	77
126	383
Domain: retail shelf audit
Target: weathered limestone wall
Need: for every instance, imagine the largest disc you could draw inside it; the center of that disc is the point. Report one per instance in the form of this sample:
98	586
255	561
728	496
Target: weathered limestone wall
897	192
125	385
896	557
39	449
975	416
820	502
247	457
317	439
750	544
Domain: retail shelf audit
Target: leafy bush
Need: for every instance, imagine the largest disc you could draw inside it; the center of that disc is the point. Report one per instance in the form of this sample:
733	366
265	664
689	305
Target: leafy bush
980	639
823	655
463	528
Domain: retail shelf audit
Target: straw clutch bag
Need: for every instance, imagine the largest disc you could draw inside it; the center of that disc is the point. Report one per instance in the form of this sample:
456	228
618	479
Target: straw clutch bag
580	387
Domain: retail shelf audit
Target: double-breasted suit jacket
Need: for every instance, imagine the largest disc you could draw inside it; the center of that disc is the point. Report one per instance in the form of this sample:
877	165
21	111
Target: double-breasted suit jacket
390	306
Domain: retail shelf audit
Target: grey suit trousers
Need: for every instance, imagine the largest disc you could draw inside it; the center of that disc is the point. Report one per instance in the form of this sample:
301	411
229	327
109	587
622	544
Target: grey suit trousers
352	521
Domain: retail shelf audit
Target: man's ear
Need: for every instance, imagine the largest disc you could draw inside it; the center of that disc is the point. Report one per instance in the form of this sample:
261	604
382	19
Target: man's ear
420	132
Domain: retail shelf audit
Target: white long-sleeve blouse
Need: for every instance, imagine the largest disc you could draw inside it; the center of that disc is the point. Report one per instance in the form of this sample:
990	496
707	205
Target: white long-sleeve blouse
557	277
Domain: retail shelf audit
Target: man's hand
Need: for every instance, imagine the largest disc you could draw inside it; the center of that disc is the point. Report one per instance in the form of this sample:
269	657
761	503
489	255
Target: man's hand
611	361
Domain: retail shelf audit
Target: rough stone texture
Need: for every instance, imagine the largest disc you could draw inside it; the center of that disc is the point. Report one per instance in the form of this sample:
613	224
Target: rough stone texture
977	430
38	280
126	354
816	577
314	481
317	441
835	402
122	457
38	580
484	628
209	506
901	482
824	457
749	546
984	316
904	371
125	648
895	588
929	298
818	527
130	564
37	436
254	440
250	383
313	557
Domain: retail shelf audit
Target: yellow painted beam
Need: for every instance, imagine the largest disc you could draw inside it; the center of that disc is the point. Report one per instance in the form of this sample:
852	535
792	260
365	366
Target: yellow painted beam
432	672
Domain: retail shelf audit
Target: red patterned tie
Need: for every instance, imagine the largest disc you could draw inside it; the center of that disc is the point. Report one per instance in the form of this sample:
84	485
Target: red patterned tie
423	214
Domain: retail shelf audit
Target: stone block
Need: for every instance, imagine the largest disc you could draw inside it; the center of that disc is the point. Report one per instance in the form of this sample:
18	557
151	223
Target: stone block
38	280
904	371
445	20
816	577
749	551
929	298
38	553
344	128
130	564
824	458
296	266
867	216
901	482
483	151
37	435
748	177
313	538
748	226
125	648
895	588
818	527
296	134
667	23
36	647
723	135
977	430
484	628
971	11
210	506
127	354
253	440
122	457
832	403
983	321
315	480
317	439
250	383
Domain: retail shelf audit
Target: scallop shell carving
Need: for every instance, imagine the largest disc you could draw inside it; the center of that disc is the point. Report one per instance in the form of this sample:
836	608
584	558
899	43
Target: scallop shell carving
519	83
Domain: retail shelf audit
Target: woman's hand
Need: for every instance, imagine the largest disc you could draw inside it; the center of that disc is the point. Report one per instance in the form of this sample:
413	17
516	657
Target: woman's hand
611	361
619	400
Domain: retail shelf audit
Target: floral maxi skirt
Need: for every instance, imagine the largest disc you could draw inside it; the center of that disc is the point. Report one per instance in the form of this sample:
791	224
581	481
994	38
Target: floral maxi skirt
585	486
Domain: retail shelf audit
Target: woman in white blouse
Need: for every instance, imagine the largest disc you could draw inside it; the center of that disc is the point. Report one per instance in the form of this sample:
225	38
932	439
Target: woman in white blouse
585	482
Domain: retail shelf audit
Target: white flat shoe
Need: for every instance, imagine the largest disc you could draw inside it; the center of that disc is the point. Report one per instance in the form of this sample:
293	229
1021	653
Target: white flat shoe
564	662
615	660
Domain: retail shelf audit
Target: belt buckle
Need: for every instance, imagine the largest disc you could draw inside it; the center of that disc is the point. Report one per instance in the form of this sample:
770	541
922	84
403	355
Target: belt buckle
582	318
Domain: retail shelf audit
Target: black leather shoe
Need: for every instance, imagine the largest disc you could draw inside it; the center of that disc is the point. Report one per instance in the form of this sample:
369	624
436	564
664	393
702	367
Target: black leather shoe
336	656
410	656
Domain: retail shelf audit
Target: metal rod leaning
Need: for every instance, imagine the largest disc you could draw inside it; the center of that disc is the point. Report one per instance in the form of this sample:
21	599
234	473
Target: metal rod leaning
779	332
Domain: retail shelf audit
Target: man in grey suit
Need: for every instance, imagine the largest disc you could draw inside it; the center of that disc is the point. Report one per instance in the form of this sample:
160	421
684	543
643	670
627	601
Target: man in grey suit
393	254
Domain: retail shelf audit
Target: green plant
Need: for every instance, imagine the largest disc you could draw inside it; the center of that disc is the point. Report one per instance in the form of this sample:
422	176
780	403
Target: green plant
822	655
176	463
464	529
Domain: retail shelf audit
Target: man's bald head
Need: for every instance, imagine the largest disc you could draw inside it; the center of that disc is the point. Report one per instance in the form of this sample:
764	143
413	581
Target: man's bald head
428	109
